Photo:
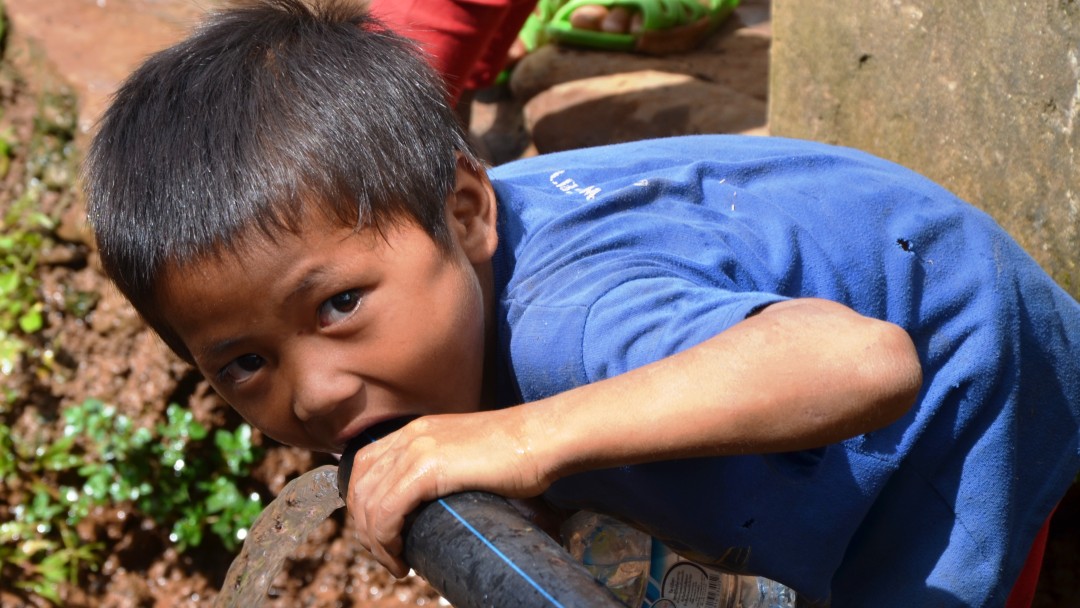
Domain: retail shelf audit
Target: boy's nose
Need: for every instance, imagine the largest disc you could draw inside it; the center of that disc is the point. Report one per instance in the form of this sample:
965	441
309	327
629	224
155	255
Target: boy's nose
320	388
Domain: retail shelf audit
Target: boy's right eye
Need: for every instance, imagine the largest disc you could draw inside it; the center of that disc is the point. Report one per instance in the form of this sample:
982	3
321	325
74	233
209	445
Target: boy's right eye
339	307
241	368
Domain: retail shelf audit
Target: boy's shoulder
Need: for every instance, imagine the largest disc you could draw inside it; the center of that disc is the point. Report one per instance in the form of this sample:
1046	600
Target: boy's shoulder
656	190
650	169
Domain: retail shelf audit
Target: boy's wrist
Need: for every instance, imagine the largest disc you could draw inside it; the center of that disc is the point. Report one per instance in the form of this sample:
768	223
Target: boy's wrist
544	441
559	441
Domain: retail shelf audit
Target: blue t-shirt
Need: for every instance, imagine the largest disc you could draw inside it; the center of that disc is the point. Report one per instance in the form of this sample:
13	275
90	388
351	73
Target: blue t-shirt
611	258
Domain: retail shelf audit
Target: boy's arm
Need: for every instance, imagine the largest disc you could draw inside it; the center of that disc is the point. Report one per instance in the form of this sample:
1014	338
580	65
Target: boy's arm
800	374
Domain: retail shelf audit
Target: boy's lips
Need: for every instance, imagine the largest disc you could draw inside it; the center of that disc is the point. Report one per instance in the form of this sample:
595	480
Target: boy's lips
350	431
359	427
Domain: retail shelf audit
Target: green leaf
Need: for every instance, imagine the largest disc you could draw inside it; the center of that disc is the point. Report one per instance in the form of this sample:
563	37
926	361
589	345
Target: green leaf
31	321
9	282
58	457
223	494
56	567
187	531
42	588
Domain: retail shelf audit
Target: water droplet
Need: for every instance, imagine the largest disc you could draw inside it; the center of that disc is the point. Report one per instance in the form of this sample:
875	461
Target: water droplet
178	465
241	534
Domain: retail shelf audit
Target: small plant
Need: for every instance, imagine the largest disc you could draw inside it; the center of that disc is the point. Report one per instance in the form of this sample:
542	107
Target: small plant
167	474
21	240
24	230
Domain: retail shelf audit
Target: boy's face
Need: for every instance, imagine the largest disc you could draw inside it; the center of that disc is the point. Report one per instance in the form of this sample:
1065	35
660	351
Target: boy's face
316	336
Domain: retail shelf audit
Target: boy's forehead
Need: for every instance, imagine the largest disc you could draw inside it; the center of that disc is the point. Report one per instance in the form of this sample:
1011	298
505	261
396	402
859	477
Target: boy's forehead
280	260
257	269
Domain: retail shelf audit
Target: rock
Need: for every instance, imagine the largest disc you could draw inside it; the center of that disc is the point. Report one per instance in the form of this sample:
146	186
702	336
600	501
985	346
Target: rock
497	126
980	96
93	45
737	56
637	105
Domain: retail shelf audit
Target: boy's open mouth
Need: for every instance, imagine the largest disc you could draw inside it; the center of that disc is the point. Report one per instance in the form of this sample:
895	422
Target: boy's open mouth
372	432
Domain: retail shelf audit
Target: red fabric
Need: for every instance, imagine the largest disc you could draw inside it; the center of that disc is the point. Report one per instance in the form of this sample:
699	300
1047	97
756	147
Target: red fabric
1023	592
494	60
466	40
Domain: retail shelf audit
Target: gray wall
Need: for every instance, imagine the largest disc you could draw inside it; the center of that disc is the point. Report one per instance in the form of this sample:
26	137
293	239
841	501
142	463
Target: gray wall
983	96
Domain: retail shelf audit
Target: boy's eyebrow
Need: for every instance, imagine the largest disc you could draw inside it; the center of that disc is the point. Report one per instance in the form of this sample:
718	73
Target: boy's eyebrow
307	281
310	279
212	351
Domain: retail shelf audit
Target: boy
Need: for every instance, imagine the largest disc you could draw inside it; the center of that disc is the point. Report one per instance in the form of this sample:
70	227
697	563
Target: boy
779	357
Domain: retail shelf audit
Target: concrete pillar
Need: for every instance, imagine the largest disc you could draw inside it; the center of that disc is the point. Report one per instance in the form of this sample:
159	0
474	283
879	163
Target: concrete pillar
983	96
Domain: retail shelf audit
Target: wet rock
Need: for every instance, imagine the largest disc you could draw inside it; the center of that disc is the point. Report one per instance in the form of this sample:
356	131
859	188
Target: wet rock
637	105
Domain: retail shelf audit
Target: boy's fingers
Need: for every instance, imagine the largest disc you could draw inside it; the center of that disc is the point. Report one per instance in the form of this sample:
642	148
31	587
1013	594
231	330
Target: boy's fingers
386	554
397	567
384	540
384	526
378	502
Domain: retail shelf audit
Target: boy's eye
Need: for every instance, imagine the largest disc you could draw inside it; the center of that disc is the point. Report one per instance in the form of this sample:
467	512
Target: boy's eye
241	368
339	307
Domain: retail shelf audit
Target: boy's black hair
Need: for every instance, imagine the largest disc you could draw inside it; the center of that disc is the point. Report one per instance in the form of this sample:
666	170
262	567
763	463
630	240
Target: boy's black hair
270	106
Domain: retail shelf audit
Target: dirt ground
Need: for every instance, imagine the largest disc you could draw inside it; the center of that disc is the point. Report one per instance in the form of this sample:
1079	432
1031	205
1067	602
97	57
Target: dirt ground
102	350
105	352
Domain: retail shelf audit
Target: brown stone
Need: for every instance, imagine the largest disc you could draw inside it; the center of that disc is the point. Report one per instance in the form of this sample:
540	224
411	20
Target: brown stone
737	56
94	45
637	105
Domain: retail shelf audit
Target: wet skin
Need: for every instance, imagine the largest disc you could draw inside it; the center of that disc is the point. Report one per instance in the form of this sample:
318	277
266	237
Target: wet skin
314	336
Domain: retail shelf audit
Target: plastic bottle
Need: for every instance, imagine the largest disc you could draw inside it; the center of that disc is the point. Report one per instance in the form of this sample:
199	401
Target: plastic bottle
643	572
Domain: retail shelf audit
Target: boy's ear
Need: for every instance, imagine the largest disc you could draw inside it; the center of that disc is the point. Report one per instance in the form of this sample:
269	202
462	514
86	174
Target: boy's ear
471	211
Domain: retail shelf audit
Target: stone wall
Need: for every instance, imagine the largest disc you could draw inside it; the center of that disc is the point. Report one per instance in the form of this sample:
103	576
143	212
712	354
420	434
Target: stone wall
983	96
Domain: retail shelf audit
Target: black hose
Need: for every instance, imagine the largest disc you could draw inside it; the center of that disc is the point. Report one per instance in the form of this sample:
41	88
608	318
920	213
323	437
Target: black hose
478	551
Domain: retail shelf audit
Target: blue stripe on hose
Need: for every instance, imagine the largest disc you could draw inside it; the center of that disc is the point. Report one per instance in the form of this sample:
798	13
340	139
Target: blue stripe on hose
501	555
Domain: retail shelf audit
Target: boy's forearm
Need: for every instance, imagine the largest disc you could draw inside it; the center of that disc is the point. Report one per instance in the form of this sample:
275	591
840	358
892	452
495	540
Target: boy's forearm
798	375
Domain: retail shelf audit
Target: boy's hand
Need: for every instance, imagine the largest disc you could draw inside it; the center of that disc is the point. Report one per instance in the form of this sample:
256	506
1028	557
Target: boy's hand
435	456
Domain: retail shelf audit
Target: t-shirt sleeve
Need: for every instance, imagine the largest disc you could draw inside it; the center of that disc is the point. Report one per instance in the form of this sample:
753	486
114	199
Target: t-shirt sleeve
646	319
